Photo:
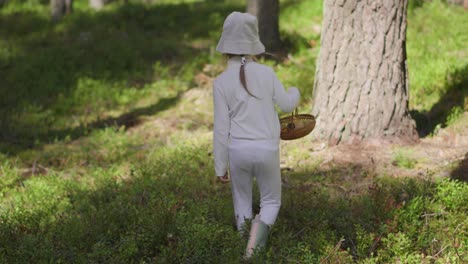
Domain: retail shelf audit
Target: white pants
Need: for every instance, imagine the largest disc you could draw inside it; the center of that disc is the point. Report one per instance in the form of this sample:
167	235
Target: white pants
259	159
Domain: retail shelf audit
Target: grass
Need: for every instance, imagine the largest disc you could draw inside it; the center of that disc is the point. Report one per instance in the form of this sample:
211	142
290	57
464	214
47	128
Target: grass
144	211
105	146
84	81
404	158
437	64
435	60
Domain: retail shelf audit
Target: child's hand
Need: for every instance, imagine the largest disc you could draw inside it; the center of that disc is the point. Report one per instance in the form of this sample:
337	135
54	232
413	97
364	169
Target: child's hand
223	179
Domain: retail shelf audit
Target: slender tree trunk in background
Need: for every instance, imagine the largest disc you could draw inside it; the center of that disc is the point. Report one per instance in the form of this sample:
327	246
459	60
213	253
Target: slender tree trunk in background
267	13
459	2
97	4
58	8
68	6
361	82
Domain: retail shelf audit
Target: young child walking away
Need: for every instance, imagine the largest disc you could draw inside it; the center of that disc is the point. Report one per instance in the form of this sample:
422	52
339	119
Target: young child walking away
247	128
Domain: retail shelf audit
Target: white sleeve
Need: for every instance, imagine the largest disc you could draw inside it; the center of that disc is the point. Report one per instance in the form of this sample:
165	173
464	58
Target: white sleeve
286	101
220	131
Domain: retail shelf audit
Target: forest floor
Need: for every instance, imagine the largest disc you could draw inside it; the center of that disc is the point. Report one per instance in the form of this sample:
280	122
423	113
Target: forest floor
106	154
436	153
442	154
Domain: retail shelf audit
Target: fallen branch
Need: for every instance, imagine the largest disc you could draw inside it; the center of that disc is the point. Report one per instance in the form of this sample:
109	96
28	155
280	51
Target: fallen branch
440	251
337	247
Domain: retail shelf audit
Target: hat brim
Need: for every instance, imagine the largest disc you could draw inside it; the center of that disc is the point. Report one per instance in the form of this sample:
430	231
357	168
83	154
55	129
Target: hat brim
240	48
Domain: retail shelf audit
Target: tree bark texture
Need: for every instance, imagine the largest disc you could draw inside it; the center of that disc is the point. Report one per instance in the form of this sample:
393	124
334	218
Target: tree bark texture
361	81
267	13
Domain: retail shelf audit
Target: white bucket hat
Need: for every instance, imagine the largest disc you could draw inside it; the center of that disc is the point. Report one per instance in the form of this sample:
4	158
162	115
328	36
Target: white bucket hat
240	35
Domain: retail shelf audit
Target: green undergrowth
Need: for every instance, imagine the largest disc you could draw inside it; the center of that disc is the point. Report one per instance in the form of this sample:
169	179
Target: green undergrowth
404	158
105	144
92	68
166	208
438	64
434	62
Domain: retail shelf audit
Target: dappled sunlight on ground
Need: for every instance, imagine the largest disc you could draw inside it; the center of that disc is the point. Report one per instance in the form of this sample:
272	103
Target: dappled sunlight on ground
113	163
434	156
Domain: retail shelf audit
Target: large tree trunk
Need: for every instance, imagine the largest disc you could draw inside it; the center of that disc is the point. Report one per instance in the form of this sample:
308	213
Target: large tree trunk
361	82
267	12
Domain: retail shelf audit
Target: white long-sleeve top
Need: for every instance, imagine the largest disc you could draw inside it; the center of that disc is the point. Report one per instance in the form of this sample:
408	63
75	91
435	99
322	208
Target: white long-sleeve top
241	116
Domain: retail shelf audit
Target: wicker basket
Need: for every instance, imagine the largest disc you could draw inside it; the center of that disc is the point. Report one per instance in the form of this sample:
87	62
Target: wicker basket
296	126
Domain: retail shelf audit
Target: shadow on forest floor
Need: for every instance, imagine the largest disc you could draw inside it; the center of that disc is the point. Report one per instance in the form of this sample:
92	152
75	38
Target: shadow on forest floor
127	120
78	67
455	95
461	172
150	216
96	55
